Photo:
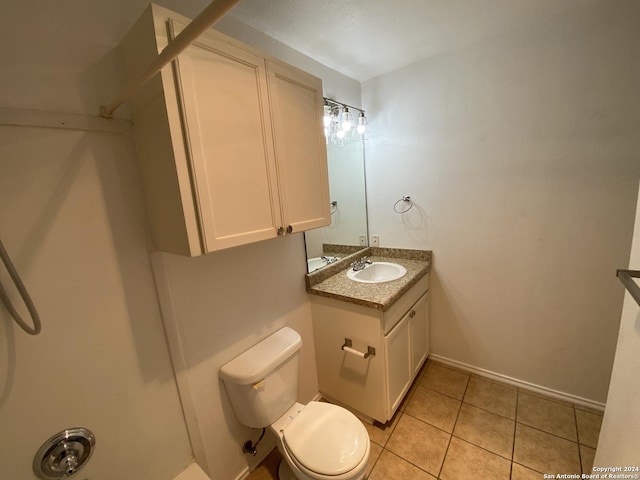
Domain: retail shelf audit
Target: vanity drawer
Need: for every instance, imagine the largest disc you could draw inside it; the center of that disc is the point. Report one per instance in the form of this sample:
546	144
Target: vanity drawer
395	313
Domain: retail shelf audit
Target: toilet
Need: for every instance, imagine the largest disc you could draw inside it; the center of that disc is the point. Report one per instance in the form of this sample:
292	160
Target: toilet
319	441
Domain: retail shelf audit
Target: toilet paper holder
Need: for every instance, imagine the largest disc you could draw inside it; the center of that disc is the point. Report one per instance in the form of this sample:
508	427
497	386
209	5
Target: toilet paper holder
348	348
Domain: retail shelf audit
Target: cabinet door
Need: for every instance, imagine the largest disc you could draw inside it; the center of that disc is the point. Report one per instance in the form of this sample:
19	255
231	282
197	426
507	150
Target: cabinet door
228	135
419	327
301	154
399	372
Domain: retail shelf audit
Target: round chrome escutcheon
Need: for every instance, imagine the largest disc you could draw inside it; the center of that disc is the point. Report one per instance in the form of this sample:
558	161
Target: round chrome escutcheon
64	454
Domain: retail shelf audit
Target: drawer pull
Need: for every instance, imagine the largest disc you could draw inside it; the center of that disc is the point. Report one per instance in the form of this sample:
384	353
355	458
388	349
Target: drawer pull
347	347
412	314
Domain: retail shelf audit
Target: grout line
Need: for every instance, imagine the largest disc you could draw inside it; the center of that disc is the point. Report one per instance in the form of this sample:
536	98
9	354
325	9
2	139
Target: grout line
515	424
489	411
408	461
431	425
483	448
452	430
526	466
376	462
440	393
548	433
575	419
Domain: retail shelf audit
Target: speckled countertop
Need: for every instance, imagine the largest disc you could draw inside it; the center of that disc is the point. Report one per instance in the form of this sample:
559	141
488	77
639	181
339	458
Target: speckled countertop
332	280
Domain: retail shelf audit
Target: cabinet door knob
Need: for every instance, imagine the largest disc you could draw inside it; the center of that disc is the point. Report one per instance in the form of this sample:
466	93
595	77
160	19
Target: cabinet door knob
412	314
289	229
280	230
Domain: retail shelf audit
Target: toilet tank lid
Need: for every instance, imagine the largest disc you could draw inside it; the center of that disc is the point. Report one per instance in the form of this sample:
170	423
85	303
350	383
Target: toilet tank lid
264	357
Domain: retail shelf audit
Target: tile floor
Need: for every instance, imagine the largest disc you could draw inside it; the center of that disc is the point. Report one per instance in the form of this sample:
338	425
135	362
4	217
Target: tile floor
453	425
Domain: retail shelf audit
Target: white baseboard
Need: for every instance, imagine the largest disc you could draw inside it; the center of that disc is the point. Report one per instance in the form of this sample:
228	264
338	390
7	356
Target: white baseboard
567	397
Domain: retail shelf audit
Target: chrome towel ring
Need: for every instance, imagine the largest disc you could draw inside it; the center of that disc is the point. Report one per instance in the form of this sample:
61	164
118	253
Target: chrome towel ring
407	200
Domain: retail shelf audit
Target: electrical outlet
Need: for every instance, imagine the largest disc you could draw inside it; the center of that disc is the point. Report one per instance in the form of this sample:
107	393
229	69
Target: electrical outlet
375	241
363	240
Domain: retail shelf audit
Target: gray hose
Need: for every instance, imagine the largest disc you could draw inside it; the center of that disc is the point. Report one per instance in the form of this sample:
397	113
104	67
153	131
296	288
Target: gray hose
23	293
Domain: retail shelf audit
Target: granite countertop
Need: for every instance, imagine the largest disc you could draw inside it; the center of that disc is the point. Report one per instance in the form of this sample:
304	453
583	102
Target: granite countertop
335	284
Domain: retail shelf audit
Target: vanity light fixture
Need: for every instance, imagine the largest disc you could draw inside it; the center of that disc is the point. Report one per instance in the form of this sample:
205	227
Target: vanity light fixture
346	119
362	124
339	122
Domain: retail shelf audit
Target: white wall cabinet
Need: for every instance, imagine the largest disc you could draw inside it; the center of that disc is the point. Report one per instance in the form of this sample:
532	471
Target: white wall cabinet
373	387
230	141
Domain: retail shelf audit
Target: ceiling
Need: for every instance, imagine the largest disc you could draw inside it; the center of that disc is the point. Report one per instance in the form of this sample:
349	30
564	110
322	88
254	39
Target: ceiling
367	38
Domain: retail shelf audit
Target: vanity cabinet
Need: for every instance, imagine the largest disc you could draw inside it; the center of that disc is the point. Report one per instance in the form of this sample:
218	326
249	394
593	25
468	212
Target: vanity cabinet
375	386
230	141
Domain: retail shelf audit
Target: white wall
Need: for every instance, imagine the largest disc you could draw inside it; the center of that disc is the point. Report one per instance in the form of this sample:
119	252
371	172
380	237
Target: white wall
619	443
72	215
521	154
222	304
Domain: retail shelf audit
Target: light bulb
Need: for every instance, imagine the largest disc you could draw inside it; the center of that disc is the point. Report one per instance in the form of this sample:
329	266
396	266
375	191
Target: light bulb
362	124
340	134
327	116
347	120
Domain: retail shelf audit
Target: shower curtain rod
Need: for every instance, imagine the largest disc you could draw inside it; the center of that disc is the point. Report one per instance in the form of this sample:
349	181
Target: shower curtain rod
208	17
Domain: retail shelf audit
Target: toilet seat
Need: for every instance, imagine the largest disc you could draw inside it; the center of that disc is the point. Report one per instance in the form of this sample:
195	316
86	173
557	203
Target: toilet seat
327	441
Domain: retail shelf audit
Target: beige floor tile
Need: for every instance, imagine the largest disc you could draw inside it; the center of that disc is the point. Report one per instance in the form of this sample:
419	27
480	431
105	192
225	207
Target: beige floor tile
380	433
518	472
446	365
409	394
587	455
487	430
588	428
595	411
545	452
390	466
445	380
464	460
419	443
546	415
374	453
434	408
494	397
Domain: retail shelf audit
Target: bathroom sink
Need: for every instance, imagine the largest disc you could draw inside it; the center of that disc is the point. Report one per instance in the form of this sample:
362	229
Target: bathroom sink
377	272
314	264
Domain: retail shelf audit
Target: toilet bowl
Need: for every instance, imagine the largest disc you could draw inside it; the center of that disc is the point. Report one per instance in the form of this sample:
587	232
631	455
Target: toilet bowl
318	441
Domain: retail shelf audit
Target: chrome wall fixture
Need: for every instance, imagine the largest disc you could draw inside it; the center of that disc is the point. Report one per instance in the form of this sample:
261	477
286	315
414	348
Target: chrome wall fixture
405	207
64	454
340	125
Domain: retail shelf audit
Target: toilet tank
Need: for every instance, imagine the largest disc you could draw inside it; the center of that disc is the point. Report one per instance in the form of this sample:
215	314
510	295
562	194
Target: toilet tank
262	383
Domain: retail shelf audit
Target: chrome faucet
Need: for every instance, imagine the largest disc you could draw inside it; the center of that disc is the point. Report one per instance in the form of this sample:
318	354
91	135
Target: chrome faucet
328	259
360	264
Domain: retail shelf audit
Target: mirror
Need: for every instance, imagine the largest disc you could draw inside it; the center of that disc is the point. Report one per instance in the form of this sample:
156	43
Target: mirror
347	232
